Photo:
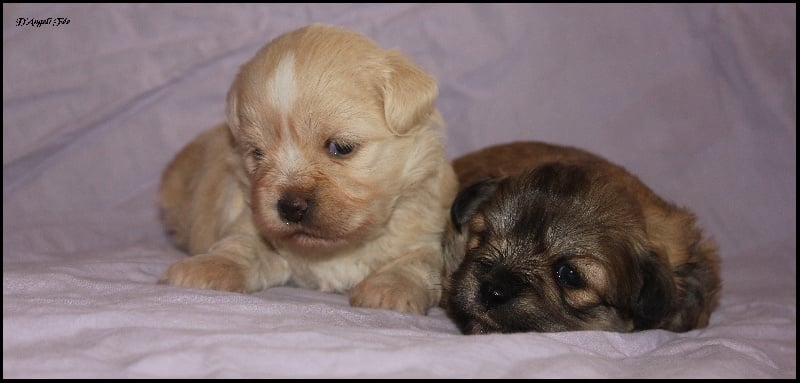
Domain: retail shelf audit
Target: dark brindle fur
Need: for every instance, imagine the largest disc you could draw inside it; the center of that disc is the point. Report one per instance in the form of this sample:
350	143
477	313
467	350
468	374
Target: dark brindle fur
549	238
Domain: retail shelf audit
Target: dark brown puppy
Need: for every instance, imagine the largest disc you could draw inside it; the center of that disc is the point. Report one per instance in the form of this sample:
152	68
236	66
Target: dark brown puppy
549	238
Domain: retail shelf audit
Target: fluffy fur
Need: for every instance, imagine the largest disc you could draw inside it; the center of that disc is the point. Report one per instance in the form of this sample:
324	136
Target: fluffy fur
549	238
329	174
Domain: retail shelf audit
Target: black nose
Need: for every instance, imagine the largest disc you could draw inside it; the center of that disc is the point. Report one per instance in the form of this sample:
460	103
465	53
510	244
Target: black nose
494	294
293	207
498	287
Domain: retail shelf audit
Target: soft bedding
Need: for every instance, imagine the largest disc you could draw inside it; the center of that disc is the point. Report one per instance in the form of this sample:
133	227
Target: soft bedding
698	100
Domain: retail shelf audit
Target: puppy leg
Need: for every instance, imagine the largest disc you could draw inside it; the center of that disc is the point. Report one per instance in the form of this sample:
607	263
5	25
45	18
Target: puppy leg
411	283
208	271
204	203
239	262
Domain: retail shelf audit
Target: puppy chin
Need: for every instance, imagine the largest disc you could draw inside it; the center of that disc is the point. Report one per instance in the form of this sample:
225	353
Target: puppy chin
311	234
305	236
303	239
477	323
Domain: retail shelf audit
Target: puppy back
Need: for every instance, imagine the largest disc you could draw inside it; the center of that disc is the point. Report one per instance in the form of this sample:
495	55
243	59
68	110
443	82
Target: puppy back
512	158
191	186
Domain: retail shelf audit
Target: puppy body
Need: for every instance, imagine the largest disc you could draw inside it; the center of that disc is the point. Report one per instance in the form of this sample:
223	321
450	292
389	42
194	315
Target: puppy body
329	174
551	238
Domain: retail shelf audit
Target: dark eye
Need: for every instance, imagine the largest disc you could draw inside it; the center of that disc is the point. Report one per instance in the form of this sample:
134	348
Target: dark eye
257	154
338	148
568	277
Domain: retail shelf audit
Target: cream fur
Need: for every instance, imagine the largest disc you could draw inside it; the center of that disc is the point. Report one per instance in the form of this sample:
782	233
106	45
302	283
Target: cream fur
375	215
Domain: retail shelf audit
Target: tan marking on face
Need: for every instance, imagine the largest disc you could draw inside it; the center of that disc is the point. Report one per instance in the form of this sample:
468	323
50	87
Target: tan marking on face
594	274
477	225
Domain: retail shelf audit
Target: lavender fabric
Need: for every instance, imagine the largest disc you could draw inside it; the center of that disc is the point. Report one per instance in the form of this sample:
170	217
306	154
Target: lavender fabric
698	100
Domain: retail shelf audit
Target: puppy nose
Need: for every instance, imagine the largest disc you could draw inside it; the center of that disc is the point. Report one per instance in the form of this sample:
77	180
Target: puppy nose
498	286
293	207
494	294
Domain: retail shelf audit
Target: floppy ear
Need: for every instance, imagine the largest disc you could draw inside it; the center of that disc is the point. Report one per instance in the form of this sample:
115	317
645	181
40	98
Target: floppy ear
231	116
409	94
694	274
469	200
464	207
657	297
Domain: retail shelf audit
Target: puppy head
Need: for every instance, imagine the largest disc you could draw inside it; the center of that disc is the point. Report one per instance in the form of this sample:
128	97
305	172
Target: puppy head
558	248
328	125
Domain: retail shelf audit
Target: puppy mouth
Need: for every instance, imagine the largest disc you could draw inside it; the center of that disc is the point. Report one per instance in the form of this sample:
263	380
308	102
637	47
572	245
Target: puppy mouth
302	237
481	324
473	321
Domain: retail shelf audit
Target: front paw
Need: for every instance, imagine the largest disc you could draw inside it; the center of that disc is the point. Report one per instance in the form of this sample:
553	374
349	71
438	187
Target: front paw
208	271
393	291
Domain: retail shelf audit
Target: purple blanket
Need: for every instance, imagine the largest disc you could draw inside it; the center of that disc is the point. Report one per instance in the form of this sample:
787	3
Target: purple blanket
698	100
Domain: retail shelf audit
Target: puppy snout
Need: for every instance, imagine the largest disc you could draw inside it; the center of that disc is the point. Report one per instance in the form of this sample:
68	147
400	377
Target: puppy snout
494	294
498	289
293	207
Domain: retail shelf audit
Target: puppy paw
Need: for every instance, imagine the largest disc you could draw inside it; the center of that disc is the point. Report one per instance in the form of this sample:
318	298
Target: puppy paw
393	291
206	271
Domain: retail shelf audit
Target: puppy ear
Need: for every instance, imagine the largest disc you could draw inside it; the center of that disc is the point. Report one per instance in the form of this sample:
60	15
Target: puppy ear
231	113
409	94
464	207
693	270
657	297
469	200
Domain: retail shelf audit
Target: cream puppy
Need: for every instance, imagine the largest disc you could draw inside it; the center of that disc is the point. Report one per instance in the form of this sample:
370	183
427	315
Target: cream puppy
329	174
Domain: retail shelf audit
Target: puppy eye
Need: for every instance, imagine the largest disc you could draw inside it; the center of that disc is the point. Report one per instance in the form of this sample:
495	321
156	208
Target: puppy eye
337	149
257	154
569	277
